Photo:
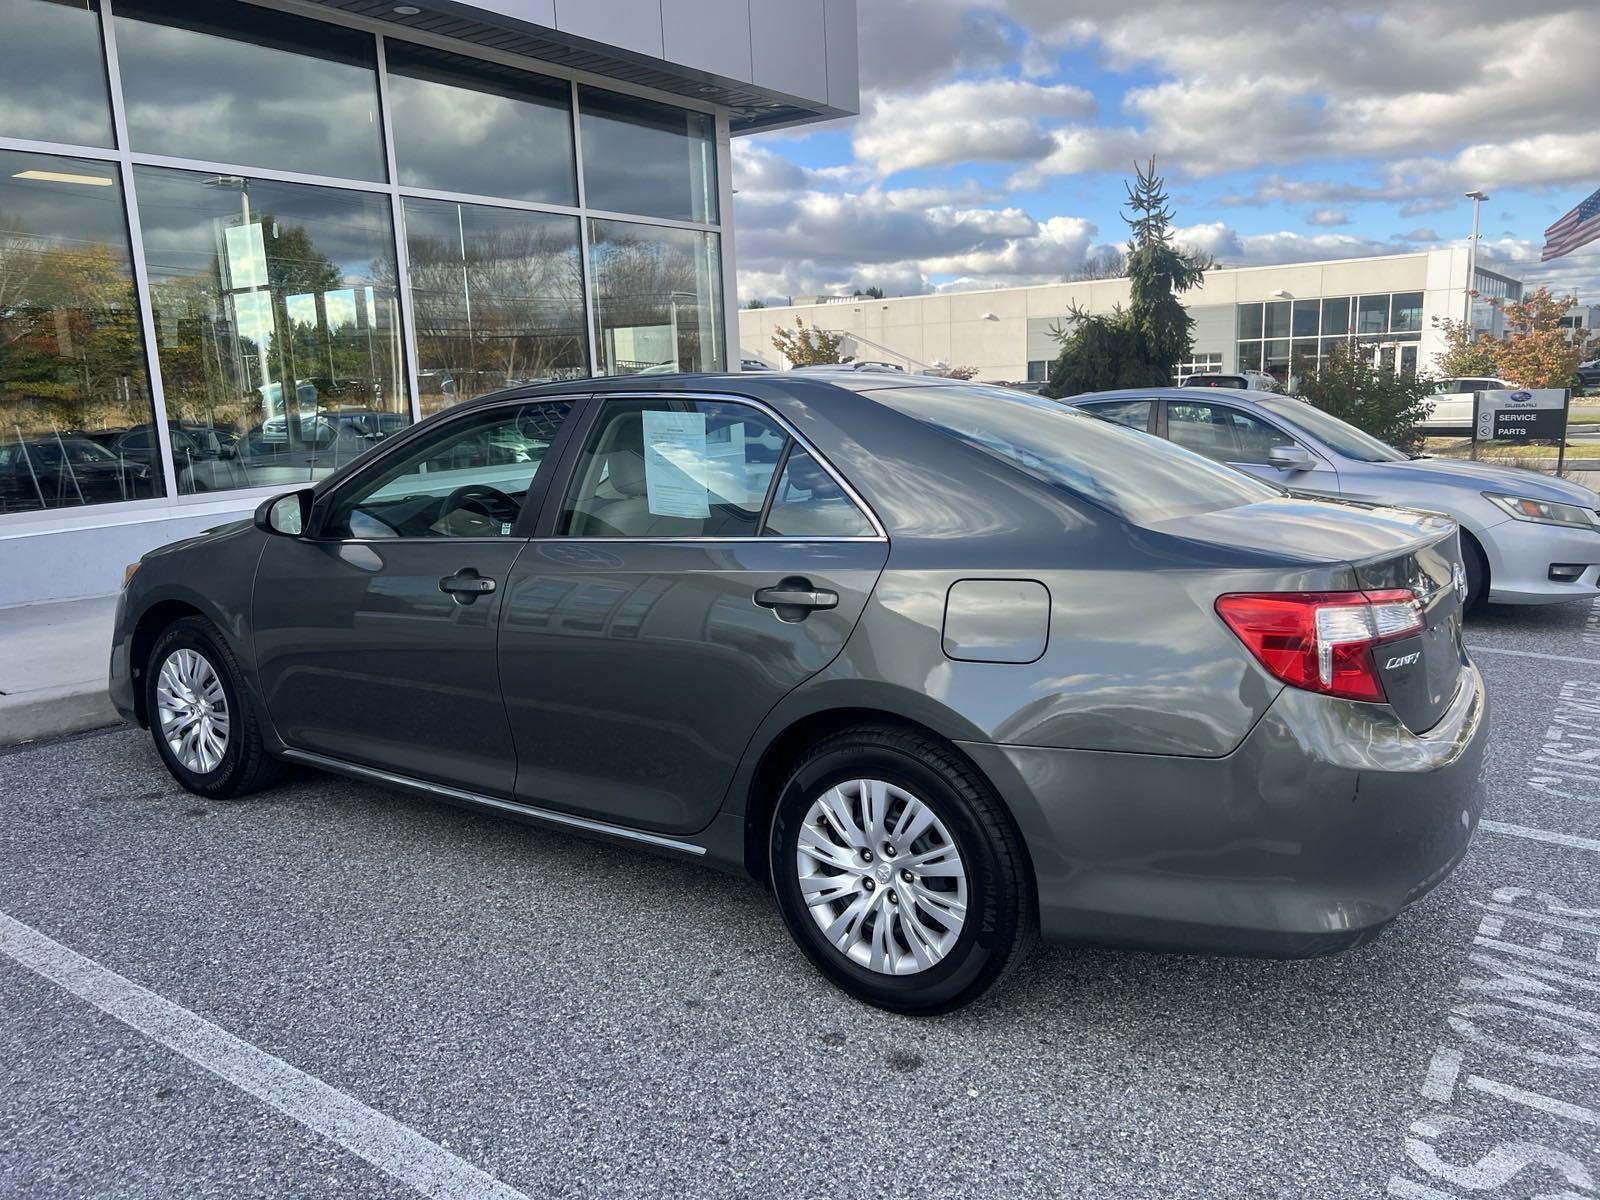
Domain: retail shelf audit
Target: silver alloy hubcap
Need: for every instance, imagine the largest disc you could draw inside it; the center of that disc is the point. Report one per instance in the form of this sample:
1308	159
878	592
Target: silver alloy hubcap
882	876
193	710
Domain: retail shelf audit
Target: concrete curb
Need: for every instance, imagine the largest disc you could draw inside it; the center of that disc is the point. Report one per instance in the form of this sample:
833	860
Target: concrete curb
52	712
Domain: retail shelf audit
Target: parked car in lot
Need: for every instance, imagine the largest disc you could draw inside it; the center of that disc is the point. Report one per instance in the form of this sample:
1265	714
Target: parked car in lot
1450	409
1589	373
1526	537
60	471
957	666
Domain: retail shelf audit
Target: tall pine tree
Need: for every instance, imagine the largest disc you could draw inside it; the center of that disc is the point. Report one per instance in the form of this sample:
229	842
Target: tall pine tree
1141	345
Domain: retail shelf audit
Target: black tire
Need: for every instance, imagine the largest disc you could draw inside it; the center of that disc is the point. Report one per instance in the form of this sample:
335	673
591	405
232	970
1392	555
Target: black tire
1001	922
1476	567
245	766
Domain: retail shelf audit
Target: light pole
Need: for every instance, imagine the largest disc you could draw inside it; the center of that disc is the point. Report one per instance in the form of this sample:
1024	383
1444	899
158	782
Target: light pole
1477	199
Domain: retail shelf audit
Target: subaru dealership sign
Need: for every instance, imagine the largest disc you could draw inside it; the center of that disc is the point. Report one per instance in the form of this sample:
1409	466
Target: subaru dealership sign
1522	414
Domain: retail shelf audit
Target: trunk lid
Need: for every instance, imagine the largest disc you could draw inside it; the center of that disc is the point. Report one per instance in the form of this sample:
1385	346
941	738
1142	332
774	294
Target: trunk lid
1342	546
1421	672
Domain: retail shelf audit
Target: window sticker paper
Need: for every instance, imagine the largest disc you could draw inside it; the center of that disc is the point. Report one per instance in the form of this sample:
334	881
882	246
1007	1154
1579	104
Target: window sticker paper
675	464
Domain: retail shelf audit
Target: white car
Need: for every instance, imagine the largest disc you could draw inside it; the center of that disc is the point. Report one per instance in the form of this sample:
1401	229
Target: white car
1450	409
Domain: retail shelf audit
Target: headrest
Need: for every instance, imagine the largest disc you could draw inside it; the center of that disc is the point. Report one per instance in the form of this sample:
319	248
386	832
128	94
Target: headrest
625	472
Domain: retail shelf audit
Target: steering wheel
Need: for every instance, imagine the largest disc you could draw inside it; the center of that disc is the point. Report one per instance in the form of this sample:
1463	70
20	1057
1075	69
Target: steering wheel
488	501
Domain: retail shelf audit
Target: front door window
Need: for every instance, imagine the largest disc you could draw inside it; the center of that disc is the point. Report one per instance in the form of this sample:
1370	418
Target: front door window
468	478
1222	433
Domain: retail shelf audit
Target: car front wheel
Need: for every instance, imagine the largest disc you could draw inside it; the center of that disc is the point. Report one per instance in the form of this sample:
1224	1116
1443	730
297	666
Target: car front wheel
200	716
899	872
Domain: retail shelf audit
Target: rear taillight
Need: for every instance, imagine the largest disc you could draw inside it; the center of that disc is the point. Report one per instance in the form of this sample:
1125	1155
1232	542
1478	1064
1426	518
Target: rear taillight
1322	641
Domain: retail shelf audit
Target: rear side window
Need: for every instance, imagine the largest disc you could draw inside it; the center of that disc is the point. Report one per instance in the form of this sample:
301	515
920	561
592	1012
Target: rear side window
808	503
1135	414
671	468
1133	474
674	468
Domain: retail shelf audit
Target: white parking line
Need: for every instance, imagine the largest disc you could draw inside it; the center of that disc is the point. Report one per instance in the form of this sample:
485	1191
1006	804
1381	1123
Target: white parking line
1540	835
394	1148
1478	648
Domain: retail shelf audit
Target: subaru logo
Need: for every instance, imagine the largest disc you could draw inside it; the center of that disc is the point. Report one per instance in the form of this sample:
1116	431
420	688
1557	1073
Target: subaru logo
1521	397
1458	576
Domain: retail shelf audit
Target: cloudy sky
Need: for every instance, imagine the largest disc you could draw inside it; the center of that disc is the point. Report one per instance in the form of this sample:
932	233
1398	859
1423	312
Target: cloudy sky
994	136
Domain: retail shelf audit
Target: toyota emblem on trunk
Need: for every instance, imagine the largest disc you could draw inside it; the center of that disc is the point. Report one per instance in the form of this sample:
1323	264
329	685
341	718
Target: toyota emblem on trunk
1458	576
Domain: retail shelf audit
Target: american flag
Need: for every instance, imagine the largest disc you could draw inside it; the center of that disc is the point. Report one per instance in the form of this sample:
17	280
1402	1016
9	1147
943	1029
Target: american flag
1580	225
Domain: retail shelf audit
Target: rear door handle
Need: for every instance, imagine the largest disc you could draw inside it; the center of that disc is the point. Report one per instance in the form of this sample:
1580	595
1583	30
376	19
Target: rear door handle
796	594
466	585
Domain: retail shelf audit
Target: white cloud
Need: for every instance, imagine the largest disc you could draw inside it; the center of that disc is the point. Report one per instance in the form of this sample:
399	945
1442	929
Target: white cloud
1445	95
968	121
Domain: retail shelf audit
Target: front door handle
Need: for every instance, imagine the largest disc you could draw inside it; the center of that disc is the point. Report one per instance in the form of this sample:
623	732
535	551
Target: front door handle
466	585
793	598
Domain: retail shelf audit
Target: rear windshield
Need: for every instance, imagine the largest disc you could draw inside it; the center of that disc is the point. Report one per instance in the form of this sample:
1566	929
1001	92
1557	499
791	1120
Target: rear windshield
1139	477
1337	435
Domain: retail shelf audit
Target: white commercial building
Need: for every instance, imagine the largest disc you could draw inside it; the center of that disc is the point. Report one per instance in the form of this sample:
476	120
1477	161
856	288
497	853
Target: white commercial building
1276	319
241	242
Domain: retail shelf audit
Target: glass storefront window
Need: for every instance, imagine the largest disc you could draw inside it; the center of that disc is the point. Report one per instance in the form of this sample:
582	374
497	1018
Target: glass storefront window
1249	321
1305	318
657	298
53	81
462	125
1372	314
647	158
72	357
229	82
1249	356
1277	361
1278	319
1406	313
1336	316
277	324
496	298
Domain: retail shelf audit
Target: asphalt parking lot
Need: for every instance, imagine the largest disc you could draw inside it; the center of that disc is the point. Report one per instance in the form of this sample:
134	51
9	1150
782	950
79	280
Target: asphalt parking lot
511	1004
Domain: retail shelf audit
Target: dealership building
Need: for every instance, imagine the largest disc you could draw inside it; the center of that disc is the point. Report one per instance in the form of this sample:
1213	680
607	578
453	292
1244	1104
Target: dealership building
242	242
1277	319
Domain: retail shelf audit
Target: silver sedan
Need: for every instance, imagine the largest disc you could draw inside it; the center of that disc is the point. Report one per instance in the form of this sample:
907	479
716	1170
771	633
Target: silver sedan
1527	537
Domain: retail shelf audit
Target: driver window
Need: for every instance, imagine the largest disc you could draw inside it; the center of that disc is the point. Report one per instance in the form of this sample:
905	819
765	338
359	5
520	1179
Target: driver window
1222	433
466	479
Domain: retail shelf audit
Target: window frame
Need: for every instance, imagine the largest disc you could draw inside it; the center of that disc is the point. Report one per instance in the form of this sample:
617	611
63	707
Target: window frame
582	424
1310	446
555	459
1225	406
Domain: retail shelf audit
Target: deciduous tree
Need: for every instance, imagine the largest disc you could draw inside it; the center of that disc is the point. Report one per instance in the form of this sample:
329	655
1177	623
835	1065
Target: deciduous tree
1465	354
808	347
1538	352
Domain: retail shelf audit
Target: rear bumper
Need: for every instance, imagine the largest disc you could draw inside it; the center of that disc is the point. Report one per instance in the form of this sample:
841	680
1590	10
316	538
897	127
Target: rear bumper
1520	556
1309	838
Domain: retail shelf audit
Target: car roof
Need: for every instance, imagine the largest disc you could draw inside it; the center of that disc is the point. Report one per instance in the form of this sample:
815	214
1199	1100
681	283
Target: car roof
1177	393
757	384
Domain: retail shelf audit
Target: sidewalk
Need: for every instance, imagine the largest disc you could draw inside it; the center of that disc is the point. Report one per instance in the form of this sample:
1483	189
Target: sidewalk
53	662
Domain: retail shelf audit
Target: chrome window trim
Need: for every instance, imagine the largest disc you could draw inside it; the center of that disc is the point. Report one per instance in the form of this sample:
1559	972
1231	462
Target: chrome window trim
478	800
783	423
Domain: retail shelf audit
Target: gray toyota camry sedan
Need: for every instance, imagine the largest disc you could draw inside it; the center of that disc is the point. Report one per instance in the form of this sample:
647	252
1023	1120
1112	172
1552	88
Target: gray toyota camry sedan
946	666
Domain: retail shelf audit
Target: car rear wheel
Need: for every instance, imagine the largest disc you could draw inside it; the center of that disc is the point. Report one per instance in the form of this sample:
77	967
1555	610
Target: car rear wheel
899	872
200	715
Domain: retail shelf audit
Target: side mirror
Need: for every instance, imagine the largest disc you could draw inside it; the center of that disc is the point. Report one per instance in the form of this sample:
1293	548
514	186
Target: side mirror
1290	458
287	515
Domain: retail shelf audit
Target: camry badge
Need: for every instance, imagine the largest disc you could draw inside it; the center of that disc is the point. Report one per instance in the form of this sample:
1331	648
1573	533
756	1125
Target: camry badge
1458	576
